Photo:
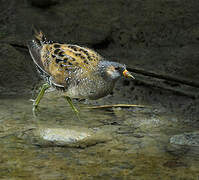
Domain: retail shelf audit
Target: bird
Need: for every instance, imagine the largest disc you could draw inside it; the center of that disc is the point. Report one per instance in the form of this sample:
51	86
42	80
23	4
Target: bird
79	72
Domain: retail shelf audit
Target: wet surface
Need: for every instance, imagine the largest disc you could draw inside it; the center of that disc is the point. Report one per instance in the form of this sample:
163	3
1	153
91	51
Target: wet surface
138	145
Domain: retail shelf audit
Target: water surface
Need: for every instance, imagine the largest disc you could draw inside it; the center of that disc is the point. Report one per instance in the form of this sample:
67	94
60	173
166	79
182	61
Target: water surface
139	147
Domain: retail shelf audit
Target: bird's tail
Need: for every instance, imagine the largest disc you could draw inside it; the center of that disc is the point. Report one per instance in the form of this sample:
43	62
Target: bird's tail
38	36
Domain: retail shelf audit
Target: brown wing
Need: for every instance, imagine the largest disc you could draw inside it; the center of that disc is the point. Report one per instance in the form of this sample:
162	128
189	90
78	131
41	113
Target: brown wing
62	60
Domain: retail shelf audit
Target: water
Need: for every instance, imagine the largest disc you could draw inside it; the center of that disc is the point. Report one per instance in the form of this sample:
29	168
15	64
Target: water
139	147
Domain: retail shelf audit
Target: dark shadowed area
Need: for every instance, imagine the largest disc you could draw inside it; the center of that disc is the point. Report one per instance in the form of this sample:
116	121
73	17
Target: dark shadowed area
158	40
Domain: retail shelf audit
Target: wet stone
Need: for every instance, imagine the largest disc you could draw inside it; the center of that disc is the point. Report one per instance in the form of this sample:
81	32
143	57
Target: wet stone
65	137
188	139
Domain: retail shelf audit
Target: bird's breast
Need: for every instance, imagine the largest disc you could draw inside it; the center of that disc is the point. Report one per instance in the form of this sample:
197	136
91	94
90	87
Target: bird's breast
89	88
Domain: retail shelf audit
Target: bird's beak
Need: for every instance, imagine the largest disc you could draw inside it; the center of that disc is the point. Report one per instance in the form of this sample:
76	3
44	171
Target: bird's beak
127	74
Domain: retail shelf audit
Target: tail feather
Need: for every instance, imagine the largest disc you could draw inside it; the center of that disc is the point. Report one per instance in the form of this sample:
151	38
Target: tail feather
39	36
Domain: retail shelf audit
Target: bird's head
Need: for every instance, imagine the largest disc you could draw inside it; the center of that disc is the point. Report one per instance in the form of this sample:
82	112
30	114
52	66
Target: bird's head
114	70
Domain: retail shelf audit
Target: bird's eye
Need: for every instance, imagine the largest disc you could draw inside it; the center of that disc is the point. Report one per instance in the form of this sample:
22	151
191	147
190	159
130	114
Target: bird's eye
117	68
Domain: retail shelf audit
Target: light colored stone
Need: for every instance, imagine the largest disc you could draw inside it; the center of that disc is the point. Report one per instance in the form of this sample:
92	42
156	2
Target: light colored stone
67	137
189	139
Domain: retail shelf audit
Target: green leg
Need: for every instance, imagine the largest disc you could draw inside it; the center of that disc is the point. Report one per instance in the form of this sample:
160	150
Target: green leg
71	104
69	100
40	95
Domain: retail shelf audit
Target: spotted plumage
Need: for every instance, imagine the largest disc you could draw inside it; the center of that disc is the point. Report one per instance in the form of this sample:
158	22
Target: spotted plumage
79	71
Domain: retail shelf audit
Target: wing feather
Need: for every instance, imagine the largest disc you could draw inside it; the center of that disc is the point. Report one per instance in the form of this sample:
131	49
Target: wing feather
62	61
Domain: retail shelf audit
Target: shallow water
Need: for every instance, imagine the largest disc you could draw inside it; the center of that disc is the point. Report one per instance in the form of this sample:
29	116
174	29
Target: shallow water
139	147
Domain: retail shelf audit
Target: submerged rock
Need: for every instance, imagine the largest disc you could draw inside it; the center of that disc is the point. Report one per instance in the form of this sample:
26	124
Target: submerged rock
66	137
189	139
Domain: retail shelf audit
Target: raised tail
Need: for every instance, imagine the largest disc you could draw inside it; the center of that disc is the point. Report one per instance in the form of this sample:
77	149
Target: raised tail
39	36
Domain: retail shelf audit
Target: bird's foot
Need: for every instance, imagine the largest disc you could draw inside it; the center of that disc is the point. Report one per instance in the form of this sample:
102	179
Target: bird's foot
39	97
69	100
35	107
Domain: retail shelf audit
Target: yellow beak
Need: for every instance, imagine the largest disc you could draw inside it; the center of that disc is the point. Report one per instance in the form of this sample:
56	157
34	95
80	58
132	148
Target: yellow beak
127	74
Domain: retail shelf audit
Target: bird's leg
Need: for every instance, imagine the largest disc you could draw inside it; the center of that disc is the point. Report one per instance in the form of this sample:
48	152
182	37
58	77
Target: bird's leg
40	95
69	100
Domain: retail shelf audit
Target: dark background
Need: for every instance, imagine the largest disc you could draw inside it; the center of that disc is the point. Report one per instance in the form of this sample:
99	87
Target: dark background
158	36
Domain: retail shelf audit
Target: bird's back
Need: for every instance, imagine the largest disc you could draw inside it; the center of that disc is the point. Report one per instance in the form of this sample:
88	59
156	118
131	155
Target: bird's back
62	61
